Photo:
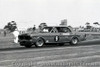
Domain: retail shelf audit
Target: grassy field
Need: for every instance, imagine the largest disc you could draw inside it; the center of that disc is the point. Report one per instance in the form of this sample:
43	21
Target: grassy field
7	41
90	35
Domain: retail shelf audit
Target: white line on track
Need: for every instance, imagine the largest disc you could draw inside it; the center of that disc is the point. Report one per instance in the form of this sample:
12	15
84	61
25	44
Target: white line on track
71	60
52	62
53	56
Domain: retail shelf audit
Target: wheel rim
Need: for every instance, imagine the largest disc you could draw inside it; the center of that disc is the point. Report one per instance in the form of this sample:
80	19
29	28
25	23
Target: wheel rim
74	41
39	43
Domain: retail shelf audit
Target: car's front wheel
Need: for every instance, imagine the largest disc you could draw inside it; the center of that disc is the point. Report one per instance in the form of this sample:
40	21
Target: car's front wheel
39	42
74	41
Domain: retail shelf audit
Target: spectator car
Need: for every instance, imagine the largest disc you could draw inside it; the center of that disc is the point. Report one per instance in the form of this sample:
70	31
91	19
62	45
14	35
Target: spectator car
51	35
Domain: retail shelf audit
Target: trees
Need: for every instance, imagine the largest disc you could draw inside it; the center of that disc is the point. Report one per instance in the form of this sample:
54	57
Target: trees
11	26
87	24
96	24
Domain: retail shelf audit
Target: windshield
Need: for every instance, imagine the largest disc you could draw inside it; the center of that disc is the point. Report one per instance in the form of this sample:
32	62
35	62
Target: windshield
47	29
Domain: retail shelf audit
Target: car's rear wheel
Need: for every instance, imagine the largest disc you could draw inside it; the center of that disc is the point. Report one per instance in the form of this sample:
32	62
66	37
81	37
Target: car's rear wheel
39	42
74	41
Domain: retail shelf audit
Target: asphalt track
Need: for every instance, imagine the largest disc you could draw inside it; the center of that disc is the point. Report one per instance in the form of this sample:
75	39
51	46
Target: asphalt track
85	54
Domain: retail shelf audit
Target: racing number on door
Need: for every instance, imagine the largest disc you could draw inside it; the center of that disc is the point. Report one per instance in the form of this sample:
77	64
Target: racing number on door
56	38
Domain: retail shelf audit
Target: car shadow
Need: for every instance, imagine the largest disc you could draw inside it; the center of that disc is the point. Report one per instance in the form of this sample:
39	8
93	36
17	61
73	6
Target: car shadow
89	42
84	43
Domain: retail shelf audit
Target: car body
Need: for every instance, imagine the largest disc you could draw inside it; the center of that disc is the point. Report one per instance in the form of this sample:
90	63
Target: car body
51	35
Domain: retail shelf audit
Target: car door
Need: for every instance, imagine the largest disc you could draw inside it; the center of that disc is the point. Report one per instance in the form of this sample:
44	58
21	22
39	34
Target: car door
54	35
50	36
64	34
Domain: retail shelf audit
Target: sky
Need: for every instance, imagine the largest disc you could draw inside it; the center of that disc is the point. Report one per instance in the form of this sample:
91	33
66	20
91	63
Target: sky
27	13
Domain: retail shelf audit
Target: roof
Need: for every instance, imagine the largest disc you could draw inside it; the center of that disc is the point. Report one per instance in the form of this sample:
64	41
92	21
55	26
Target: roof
63	26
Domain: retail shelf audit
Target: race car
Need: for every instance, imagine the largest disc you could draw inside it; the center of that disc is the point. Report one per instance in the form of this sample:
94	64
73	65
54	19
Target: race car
51	35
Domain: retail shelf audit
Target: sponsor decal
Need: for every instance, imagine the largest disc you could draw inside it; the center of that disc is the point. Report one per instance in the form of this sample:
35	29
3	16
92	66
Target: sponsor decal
65	33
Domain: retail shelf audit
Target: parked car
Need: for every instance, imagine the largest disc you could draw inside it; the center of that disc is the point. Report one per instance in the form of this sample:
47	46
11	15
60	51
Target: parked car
51	35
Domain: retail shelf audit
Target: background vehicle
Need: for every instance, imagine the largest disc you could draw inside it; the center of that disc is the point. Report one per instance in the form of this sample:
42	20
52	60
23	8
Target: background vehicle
52	34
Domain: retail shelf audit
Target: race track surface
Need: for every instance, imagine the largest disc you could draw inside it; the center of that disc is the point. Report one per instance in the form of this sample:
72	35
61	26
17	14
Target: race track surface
85	54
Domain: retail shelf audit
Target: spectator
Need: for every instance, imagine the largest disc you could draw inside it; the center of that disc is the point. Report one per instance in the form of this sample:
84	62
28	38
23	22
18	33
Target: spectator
34	28
4	33
16	33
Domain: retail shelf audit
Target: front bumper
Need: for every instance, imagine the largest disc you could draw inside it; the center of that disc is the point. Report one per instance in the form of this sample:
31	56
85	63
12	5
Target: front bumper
25	42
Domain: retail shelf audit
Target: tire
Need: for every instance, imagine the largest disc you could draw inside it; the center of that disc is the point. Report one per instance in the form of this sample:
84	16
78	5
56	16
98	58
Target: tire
74	41
39	42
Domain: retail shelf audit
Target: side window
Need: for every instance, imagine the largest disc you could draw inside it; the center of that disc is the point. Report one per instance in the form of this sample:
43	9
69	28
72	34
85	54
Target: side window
63	29
54	30
67	30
